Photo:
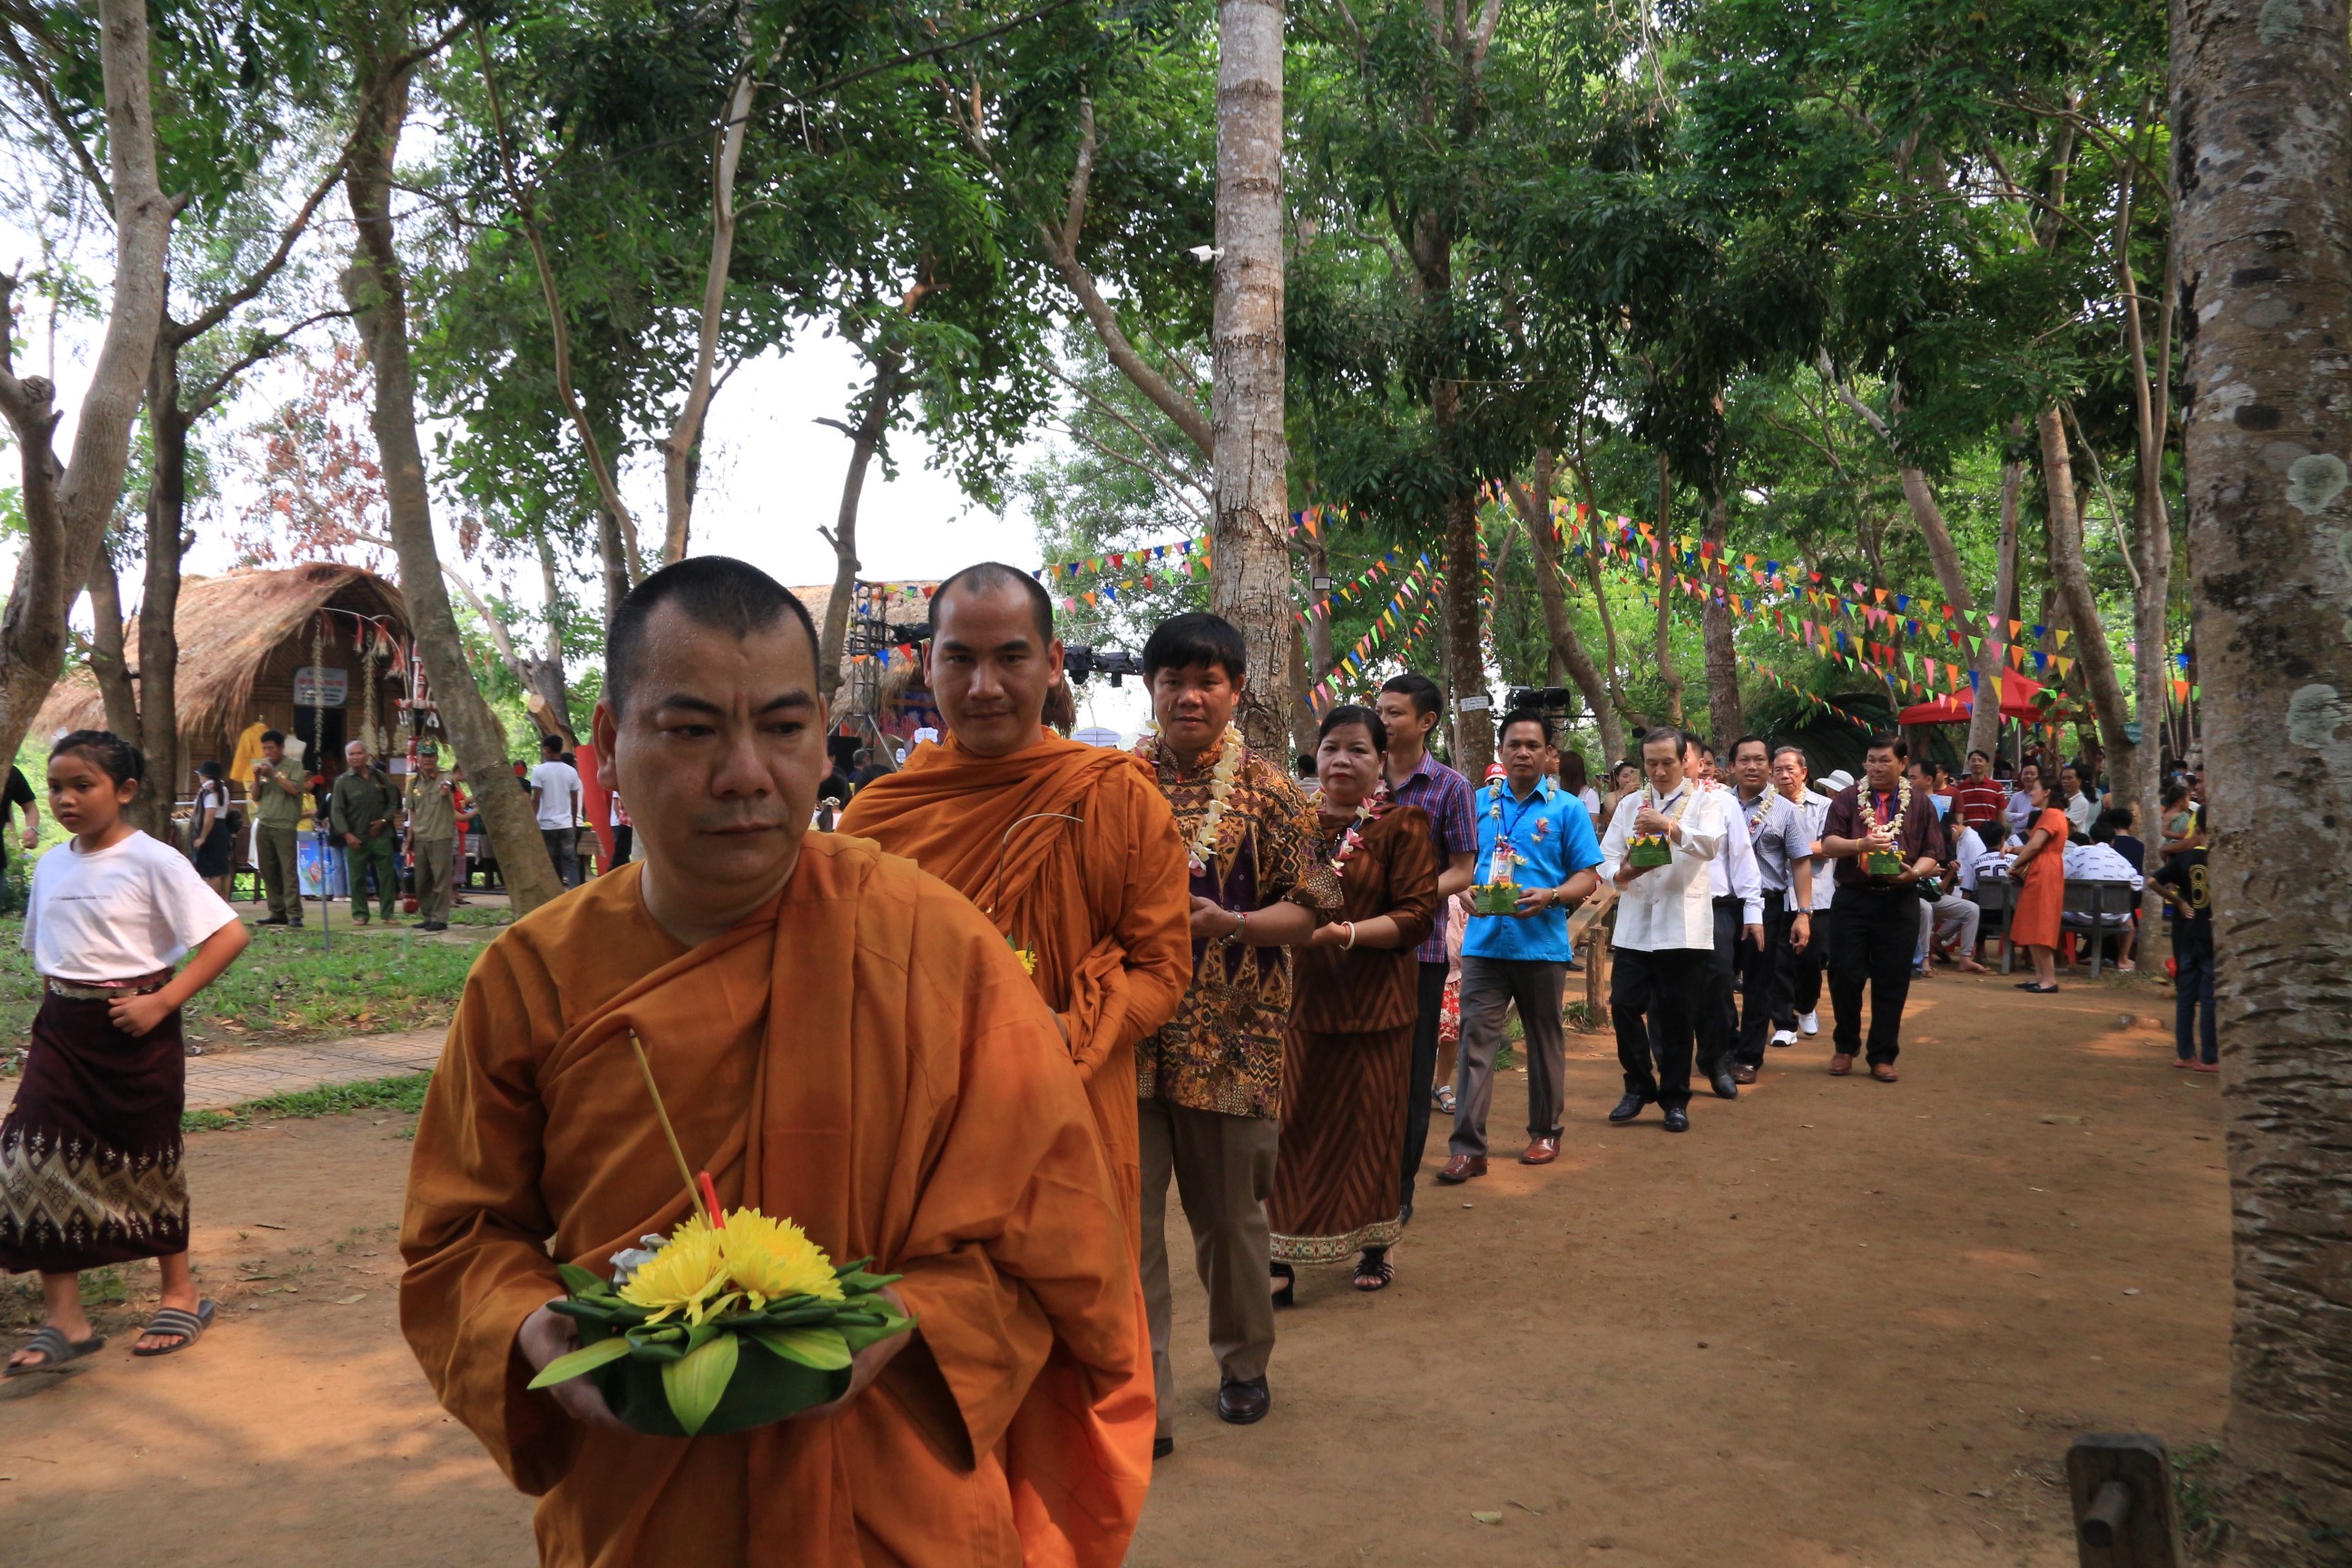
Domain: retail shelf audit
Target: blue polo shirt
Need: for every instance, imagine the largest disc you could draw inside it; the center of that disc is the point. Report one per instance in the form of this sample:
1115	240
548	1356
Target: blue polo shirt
1552	833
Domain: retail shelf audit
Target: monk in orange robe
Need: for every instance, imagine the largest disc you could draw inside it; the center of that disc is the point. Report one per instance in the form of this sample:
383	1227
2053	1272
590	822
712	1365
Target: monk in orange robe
839	1038
1069	849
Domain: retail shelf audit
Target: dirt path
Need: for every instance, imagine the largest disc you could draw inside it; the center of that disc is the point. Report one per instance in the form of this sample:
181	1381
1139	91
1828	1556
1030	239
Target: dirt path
1840	1325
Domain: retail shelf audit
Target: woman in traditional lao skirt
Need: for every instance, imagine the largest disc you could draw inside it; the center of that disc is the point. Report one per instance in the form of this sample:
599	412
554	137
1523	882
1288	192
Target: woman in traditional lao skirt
1346	1062
89	1154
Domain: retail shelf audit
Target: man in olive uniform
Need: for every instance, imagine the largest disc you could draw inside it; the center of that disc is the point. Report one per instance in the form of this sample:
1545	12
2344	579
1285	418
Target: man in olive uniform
276	826
364	811
432	837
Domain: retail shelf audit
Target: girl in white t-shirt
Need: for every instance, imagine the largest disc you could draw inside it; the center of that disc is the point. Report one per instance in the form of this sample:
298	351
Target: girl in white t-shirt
90	1152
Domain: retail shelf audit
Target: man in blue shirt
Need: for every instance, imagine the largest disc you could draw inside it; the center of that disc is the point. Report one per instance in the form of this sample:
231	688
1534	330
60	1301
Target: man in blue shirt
1546	837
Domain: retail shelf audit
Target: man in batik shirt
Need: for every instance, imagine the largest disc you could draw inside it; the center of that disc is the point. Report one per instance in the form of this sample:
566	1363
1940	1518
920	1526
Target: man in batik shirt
1209	1082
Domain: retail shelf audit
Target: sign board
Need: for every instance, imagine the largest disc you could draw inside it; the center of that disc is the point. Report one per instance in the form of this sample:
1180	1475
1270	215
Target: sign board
316	687
1478	704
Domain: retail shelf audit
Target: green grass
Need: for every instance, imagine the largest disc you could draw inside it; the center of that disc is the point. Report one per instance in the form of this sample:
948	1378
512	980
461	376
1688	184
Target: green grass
404	1093
284	988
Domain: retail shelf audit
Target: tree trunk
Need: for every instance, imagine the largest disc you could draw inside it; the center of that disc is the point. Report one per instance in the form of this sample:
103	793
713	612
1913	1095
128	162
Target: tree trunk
613	562
1724	714
2074	583
1466	605
2262	140
889	383
1249	582
545	692
1984	714
1661	648
66	510
1320	654
374	287
2151	540
1551	584
159	604
107	665
678	451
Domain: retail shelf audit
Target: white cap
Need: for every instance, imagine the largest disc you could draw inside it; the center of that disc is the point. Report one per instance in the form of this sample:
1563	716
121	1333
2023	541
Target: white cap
1839	780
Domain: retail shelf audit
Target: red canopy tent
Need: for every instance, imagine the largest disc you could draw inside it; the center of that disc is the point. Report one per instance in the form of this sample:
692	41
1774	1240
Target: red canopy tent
2016	694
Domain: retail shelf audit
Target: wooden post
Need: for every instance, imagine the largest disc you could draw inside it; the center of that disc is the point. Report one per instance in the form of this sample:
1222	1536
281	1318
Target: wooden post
2121	1485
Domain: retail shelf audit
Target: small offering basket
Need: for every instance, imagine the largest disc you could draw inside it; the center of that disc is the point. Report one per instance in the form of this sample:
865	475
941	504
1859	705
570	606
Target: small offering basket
1649	850
1882	863
721	1363
1496	897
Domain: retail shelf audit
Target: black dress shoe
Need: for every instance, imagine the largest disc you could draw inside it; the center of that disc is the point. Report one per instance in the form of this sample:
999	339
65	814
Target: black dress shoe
1627	1108
1677	1119
1723	1085
1163	1446
1242	1400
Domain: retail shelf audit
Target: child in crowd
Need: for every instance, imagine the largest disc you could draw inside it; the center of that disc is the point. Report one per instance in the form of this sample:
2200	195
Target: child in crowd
89	1154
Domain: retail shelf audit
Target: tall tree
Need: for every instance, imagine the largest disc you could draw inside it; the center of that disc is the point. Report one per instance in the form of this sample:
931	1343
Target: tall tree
68	506
2262	119
1250	583
385	56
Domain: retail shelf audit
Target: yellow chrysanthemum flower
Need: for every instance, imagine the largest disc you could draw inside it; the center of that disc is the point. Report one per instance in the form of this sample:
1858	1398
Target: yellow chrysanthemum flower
768	1260
683	1274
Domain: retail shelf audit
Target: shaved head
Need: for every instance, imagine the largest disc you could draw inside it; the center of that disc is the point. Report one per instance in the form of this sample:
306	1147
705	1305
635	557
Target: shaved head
716	592
995	577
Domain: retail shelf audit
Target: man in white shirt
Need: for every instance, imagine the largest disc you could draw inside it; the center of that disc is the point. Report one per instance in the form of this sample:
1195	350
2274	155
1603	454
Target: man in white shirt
1797	978
1665	927
1739	892
555	796
1775	831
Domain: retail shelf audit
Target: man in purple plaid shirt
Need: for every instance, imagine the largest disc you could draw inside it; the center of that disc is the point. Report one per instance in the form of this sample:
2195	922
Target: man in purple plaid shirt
1409	707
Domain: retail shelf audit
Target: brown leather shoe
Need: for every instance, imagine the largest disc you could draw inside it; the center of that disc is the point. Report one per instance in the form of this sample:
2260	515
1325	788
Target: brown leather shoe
1542	1151
1462	1167
1840	1064
1743	1073
1884	1072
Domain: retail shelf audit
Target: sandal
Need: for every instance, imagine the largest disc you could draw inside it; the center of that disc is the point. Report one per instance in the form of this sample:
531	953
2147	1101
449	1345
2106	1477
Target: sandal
2038	990
55	1352
1375	1272
1442	1096
189	1327
1285	1293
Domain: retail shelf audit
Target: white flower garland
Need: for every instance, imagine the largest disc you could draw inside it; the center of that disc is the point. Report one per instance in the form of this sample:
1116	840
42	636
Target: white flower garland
1868	803
1203	846
1353	839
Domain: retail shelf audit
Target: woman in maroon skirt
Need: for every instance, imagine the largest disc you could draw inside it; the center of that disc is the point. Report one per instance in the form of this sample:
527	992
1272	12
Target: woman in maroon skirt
1347	1061
89	1154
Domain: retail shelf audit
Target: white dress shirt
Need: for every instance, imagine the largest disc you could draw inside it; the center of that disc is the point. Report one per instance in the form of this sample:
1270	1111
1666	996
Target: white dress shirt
1674	905
1813	807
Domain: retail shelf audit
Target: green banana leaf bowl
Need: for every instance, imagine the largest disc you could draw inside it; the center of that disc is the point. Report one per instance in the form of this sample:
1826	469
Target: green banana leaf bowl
729	1374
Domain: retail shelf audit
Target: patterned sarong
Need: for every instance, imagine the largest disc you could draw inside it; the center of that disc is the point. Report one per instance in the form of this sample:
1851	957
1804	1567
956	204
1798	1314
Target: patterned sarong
89	1154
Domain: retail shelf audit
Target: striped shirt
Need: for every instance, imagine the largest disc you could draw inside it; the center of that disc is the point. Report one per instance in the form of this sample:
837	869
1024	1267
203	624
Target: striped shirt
1444	797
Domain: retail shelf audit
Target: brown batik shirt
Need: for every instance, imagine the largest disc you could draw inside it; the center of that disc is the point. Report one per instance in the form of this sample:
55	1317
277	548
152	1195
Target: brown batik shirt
1222	1051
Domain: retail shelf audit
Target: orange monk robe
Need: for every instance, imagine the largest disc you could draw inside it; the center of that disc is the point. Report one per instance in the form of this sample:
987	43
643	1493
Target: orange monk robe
1104	905
867	1058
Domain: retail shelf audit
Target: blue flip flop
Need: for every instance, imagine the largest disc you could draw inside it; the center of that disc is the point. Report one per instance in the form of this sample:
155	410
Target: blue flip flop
189	1326
56	1350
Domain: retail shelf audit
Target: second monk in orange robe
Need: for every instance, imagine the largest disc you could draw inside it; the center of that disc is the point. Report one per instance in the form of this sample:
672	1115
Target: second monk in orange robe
1101	906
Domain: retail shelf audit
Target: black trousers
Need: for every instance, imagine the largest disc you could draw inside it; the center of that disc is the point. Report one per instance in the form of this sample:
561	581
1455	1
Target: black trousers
1877	932
1797	976
1419	1076
1665	986
1717	1017
1760	972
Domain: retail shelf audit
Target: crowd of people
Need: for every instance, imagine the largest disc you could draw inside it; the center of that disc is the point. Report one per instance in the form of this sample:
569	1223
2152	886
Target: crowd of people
1115	973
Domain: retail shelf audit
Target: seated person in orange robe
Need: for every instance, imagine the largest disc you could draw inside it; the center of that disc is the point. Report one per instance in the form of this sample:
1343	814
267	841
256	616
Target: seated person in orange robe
840	1038
1069	849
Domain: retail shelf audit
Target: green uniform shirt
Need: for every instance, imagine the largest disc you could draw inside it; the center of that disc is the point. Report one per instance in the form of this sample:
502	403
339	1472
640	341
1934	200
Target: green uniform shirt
272	807
433	810
359	798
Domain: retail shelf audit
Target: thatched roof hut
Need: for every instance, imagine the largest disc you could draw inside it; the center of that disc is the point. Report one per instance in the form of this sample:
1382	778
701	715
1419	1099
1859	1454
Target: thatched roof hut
243	638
